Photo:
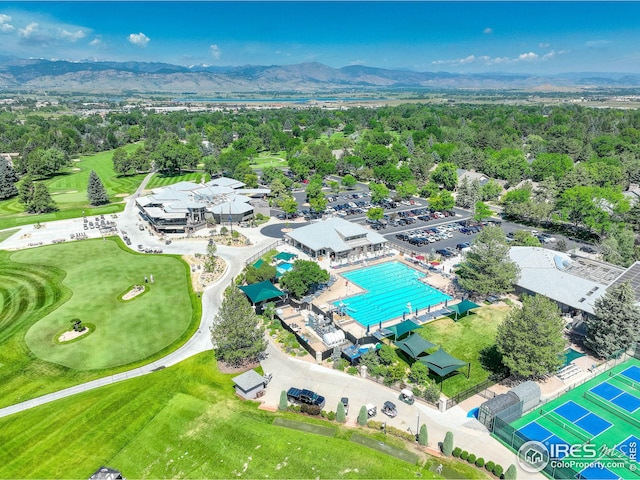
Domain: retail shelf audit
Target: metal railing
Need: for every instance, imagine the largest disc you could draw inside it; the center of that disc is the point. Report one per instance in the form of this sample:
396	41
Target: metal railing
481	389
254	257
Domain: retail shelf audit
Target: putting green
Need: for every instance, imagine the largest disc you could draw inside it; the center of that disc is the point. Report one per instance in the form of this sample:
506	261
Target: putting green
97	272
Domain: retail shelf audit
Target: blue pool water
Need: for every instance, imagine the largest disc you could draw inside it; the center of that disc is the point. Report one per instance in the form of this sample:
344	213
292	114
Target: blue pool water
283	268
389	287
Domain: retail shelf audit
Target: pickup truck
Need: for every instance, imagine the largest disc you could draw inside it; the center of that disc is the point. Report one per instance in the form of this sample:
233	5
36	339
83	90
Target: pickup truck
296	395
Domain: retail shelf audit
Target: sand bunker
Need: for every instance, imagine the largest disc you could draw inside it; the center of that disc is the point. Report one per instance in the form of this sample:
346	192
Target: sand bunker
70	335
134	292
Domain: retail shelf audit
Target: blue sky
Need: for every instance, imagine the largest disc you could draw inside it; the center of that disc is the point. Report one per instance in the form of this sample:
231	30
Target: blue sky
518	37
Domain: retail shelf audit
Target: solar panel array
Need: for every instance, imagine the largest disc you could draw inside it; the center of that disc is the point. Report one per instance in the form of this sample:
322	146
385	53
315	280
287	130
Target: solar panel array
632	275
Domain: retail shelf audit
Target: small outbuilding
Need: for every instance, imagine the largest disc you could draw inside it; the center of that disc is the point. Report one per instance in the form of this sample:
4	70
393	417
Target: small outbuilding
529	393
249	385
506	405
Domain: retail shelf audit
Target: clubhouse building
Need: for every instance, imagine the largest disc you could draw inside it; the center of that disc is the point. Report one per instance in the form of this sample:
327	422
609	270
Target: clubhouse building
187	206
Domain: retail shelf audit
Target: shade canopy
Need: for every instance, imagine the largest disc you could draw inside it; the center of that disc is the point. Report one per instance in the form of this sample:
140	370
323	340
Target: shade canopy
286	256
403	328
259	263
259	292
441	363
463	307
414	345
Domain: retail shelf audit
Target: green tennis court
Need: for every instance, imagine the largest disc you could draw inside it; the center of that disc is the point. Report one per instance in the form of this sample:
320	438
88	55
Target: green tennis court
598	415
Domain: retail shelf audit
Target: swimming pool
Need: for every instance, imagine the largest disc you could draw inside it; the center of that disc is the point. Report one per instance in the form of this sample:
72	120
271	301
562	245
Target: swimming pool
283	268
389	287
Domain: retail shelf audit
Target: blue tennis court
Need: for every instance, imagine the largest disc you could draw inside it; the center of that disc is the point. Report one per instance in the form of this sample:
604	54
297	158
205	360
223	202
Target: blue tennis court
629	447
599	473
632	373
618	397
583	418
535	431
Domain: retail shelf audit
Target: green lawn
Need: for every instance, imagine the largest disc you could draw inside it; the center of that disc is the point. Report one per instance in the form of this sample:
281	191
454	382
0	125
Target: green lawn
6	234
185	422
267	159
159	180
69	191
42	289
465	339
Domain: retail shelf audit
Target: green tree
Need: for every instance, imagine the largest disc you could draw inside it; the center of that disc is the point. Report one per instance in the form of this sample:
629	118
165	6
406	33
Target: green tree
443	200
378	192
490	190
237	334
481	211
447	444
525	238
25	190
446	174
283	404
616	323
419	373
406	190
423	436
318	204
122	163
304	274
260	274
8	179
349	181
340	415
387	355
96	192
531	338
210	258
487	267
362	416
289	206
41	201
619	247
375	213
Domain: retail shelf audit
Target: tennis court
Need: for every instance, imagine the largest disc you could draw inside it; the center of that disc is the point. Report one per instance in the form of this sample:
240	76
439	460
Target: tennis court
617	396
603	412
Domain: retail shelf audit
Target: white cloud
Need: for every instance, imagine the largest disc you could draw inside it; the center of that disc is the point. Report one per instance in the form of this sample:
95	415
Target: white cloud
97	42
71	36
139	39
527	56
215	52
597	43
488	31
544	45
29	31
553	53
5	26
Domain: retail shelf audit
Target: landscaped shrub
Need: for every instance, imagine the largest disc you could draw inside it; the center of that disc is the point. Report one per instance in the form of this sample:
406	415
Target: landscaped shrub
511	473
497	471
362	416
423	436
489	466
447	444
431	393
310	409
340	415
396	432
464	455
352	370
283	404
374	425
456	452
331	416
471	458
480	462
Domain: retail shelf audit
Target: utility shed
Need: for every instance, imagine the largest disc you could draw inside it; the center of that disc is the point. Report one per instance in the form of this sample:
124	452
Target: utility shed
529	394
506	405
249	385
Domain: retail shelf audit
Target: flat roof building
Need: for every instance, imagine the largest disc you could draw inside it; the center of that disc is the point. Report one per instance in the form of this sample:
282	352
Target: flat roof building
336	238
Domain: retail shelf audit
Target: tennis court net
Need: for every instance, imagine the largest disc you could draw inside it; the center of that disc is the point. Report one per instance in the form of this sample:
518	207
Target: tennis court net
612	408
567	425
626	380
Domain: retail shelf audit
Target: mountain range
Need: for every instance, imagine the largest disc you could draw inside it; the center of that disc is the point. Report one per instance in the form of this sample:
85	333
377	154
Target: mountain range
116	77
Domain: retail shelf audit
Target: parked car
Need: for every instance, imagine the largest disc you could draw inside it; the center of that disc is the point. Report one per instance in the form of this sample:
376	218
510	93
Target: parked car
588	249
406	396
371	410
309	397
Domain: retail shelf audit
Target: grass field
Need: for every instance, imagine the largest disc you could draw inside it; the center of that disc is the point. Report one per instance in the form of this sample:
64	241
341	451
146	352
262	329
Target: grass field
619	430
159	180
185	422
69	191
266	159
465	339
42	289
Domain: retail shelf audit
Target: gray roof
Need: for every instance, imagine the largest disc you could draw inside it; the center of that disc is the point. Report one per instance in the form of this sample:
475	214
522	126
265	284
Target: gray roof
225	182
549	273
254	191
332	234
500	402
248	380
231	207
527	390
155	212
